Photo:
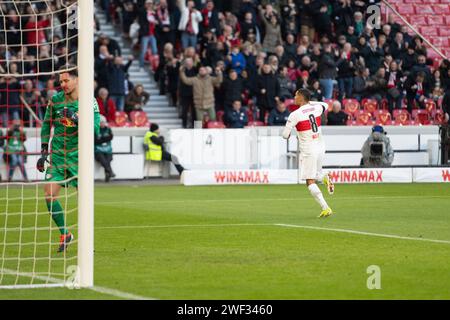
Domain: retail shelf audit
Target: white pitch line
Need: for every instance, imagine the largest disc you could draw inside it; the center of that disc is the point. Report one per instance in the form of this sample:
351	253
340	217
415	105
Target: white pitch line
278	225
188	226
264	199
391	236
59	283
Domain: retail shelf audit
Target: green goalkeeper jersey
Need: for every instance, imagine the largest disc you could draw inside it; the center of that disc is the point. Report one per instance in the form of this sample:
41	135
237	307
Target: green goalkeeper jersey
65	136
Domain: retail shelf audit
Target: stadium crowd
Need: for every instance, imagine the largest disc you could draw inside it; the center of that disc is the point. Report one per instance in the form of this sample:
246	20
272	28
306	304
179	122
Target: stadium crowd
235	61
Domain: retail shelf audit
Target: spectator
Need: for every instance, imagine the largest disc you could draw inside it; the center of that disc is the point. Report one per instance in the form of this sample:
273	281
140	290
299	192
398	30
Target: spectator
373	55
31	98
337	117
417	90
316	91
346	70
377	150
268	91
189	23
377	85
210	18
203	90
147	31
165	32
306	18
232	88
106	105
327	71
421	66
9	99
236	60
279	115
117	75
137	99
445	106
15	152
272	37
394	79
186	94
154	148
236	117
103	149
437	86
360	84
287	86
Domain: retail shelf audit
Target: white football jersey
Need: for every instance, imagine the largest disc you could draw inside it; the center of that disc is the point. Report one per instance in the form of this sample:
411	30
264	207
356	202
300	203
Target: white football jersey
307	121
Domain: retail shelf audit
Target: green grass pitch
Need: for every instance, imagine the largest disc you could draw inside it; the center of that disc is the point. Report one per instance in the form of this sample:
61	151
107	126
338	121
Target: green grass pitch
176	242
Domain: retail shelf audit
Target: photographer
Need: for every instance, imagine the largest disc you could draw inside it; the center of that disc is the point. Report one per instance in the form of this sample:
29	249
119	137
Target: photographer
377	150
15	152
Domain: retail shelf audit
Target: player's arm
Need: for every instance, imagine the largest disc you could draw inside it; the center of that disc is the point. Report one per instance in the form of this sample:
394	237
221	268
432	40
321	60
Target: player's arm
45	137
290	124
96	118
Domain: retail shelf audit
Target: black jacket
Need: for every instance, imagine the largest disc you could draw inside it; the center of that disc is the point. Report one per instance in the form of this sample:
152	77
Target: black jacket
232	90
270	83
337	119
327	67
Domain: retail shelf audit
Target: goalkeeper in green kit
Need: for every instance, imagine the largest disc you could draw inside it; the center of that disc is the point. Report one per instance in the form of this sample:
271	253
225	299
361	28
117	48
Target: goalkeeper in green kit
62	114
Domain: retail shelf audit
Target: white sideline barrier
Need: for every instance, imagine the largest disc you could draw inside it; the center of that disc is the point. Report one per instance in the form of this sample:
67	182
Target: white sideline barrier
341	175
431	175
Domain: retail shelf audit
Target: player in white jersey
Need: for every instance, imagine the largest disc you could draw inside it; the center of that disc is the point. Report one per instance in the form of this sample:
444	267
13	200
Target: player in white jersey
307	121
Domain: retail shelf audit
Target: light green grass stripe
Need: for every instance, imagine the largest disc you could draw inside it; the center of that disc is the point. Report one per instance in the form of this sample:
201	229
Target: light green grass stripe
391	236
265	199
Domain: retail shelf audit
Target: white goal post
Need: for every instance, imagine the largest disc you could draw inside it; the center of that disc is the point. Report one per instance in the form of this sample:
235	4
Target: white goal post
28	235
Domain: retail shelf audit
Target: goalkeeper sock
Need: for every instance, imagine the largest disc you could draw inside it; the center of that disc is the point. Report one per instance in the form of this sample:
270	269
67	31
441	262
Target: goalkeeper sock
57	215
317	194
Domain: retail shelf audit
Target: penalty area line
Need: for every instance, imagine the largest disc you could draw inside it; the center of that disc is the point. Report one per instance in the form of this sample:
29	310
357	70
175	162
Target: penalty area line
381	235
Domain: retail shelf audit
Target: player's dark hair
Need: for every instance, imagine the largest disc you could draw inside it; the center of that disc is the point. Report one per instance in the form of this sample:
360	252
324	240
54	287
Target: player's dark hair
71	69
305	93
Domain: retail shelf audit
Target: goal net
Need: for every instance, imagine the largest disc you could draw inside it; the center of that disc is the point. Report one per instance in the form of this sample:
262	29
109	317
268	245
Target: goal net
41	241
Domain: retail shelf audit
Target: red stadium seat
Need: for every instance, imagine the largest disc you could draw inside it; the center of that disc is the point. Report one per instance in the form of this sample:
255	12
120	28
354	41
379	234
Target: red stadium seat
255	124
438	117
139	119
292	107
441	9
406	10
418	20
363	118
350	122
421	116
215	125
428	31
402	117
329	102
435	21
383	117
430	105
424	9
122	119
351	106
444	32
370	105
220	115
288	102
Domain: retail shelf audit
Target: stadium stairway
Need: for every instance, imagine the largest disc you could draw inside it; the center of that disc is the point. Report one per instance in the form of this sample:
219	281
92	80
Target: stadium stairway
157	109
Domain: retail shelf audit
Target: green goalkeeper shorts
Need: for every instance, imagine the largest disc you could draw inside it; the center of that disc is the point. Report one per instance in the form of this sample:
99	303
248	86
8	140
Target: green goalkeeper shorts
62	169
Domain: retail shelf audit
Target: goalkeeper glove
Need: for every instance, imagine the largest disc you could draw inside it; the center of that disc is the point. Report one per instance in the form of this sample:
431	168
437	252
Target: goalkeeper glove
44	154
71	115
